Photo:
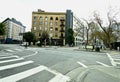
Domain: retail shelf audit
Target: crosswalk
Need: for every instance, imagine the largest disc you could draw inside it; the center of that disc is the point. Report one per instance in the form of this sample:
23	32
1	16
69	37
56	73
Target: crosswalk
114	58
12	50
24	69
15	69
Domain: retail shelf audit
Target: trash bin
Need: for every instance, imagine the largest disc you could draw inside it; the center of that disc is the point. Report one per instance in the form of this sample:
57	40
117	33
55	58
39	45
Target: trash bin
97	49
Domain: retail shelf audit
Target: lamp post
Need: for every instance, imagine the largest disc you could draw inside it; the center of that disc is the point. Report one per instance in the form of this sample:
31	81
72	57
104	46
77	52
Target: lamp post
87	37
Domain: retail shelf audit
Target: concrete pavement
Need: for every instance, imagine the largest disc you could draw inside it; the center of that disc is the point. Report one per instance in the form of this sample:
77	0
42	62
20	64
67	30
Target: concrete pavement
53	63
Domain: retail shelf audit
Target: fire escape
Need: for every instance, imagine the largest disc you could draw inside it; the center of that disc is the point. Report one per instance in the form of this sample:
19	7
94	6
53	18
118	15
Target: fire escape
62	31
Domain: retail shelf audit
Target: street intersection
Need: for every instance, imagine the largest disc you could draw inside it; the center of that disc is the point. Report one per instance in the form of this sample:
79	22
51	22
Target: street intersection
57	64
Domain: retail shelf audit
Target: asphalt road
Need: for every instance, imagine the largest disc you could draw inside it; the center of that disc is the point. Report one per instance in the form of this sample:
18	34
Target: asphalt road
55	64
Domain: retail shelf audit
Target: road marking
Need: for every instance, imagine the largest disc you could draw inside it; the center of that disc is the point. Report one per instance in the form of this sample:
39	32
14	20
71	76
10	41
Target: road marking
102	64
111	59
6	55
30	55
9	50
83	65
60	78
15	65
11	60
9	57
22	75
117	62
117	59
18	49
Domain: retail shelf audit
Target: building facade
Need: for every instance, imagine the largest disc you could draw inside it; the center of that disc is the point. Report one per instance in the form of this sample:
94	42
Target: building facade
78	31
55	24
14	31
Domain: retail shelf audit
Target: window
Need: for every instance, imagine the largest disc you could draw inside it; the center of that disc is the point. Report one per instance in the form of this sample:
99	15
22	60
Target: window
40	27
51	23
40	18
56	18
61	34
40	23
51	35
34	23
56	35
45	28
35	18
34	28
56	29
51	18
51	28
46	18
46	23
56	23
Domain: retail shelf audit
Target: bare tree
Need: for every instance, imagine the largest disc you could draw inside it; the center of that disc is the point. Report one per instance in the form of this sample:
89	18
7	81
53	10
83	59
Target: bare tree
88	29
79	29
94	29
108	30
44	37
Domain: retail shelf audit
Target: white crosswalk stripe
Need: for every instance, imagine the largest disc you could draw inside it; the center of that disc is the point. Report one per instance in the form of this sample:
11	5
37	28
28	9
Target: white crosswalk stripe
18	49
9	57
102	64
13	50
29	72
111	59
8	50
115	59
11	60
15	65
5	55
22	75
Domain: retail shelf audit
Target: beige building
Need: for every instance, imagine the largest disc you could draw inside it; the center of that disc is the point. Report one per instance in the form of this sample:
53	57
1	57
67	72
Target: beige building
54	23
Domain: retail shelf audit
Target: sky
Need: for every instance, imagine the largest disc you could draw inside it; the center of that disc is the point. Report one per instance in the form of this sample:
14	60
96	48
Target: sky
22	10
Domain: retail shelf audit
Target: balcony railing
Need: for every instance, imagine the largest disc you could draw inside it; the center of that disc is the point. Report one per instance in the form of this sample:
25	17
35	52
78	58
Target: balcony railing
61	36
62	30
62	25
62	19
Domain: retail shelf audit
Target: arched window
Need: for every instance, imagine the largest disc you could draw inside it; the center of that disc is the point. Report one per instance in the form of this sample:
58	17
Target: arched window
46	18
56	18
51	18
40	18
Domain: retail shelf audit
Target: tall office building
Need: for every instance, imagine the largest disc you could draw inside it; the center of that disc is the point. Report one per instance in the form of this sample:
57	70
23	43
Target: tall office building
56	24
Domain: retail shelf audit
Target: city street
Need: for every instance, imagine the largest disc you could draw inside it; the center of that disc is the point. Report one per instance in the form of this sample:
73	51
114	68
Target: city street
57	64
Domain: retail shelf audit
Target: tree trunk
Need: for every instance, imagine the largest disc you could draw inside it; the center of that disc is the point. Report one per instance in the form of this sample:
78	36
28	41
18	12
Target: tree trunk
45	42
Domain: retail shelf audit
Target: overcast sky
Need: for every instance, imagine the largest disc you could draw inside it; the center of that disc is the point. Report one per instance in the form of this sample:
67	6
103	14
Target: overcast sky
22	9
